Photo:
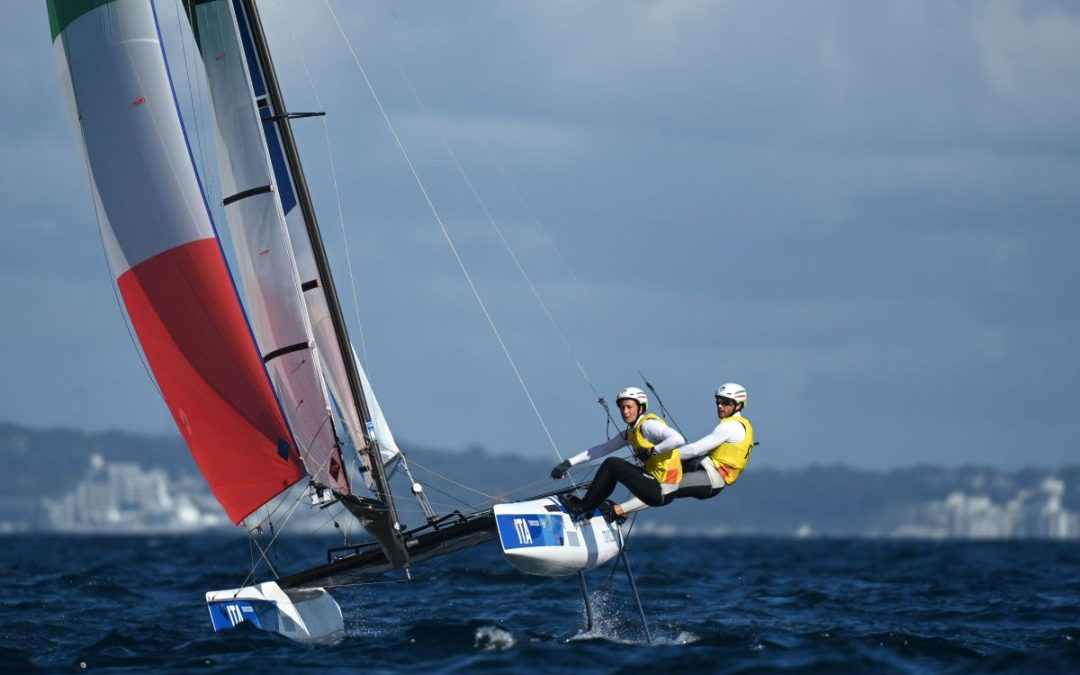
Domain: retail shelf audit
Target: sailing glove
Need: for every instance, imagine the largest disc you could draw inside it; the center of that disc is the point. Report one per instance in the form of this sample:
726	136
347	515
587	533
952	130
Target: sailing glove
561	469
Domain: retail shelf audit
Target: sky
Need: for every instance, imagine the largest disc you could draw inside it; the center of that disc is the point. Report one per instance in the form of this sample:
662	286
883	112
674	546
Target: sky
866	213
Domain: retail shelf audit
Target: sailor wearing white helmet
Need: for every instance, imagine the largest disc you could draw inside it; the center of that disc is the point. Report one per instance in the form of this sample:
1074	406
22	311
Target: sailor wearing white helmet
723	453
654	444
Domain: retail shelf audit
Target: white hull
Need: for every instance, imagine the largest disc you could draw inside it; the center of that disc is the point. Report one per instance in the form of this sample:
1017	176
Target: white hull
539	537
308	615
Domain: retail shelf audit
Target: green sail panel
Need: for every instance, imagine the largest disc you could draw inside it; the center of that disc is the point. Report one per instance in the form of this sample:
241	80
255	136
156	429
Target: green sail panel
63	12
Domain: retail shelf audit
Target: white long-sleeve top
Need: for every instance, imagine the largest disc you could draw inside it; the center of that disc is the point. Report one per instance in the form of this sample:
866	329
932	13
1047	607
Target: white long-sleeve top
659	434
728	431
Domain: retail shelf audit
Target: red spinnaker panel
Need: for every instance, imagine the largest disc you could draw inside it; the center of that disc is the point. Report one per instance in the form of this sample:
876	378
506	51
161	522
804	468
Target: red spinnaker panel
199	345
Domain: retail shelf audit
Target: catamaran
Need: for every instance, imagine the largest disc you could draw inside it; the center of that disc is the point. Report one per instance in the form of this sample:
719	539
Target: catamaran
251	353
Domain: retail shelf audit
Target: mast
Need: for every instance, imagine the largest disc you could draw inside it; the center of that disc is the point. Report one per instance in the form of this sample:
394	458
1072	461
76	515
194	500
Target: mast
280	118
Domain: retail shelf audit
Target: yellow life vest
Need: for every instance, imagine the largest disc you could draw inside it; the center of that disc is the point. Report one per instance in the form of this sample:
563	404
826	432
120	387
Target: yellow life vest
731	458
665	467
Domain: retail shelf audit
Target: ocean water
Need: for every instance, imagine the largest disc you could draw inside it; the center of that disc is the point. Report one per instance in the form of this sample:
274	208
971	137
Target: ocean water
135	604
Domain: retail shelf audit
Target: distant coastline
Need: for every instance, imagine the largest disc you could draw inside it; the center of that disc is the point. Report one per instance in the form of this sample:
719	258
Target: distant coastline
67	480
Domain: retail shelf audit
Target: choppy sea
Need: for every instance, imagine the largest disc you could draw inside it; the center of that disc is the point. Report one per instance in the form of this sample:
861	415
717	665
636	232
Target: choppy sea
135	604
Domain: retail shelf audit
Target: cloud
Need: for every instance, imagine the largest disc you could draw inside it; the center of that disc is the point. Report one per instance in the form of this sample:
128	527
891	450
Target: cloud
865	212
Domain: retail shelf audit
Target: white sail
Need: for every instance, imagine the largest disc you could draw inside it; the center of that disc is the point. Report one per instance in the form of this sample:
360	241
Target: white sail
379	428
270	282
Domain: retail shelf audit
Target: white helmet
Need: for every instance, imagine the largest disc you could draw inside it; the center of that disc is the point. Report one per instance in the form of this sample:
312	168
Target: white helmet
635	394
735	392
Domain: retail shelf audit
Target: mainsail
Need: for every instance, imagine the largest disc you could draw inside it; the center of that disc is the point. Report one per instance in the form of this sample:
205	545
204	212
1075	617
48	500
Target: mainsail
161	244
243	81
271	285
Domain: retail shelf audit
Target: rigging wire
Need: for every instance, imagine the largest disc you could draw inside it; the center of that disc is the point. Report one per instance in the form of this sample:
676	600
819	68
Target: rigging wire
528	210
300	496
566	265
450	496
442	227
277	533
555	248
454	482
498	230
551	242
663	408
418	491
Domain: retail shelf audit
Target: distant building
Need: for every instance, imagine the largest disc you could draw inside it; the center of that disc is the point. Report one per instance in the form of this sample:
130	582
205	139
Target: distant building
127	498
1030	513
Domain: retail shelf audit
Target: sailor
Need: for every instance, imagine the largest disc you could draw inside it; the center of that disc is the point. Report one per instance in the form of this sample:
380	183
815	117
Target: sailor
715	460
653	443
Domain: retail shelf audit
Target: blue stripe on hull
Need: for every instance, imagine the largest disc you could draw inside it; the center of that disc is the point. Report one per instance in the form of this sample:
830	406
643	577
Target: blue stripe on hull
530	530
226	614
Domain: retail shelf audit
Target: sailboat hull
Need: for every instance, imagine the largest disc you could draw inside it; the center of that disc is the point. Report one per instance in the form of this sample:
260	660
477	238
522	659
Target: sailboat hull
539	537
308	615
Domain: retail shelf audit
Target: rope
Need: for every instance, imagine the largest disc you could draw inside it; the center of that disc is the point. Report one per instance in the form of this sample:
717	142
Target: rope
555	248
467	505
442	227
663	408
450	480
490	498
623	539
277	533
573	355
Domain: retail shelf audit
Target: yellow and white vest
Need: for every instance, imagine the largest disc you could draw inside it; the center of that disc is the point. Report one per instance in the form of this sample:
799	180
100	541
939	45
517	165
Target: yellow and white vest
731	458
665	467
